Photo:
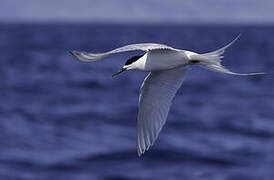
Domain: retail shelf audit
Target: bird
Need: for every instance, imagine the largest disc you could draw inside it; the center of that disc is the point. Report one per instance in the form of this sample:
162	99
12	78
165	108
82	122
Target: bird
167	67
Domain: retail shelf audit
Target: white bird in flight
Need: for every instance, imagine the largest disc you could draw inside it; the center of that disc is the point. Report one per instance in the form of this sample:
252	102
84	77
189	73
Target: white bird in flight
167	67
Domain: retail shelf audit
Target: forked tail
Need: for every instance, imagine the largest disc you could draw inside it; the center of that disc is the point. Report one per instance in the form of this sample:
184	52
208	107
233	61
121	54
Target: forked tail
212	60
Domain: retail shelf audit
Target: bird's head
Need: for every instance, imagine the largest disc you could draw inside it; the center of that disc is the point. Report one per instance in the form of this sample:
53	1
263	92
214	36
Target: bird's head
128	65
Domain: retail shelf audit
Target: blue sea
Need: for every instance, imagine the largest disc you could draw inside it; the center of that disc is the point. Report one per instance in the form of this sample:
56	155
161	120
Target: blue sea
61	119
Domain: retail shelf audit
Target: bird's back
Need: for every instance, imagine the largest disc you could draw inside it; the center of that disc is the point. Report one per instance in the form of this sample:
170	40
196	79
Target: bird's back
164	59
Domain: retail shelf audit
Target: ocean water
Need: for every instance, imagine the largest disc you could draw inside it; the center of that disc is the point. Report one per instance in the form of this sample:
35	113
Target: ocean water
64	119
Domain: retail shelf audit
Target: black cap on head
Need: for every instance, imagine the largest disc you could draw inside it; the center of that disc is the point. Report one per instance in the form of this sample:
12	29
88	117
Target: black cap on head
132	60
128	62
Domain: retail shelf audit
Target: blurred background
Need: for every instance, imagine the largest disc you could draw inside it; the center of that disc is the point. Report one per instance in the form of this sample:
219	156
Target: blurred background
64	119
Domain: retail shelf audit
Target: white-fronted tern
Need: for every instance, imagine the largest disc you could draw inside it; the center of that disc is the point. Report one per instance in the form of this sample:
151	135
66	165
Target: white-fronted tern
167	67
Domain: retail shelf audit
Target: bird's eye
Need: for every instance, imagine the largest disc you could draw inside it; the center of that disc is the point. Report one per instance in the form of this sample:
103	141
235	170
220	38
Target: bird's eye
132	60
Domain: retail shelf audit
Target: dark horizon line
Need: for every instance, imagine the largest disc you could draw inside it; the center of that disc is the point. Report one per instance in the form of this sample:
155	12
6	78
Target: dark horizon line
108	23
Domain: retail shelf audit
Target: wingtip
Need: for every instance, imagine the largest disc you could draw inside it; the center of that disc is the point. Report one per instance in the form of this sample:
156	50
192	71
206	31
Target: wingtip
71	52
75	54
140	153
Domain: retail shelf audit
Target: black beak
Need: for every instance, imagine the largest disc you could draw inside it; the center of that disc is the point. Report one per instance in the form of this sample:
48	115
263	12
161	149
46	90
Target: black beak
118	72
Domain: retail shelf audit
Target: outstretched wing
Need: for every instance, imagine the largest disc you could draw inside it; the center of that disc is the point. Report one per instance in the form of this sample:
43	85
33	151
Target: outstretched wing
90	57
156	94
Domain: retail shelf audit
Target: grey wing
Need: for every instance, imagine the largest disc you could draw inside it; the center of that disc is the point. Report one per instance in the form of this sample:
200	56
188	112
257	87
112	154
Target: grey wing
90	57
156	94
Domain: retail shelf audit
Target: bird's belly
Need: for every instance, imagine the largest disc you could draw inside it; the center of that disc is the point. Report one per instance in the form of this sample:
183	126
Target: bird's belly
162	61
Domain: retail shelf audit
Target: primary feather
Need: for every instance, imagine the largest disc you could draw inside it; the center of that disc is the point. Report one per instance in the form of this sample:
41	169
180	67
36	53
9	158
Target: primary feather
90	57
156	94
